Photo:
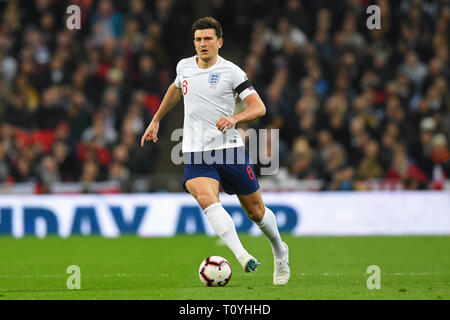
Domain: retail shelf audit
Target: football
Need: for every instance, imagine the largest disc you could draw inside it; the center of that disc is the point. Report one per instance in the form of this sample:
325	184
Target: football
214	271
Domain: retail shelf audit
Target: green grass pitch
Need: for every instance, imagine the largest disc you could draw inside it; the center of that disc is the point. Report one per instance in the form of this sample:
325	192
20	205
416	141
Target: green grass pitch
130	267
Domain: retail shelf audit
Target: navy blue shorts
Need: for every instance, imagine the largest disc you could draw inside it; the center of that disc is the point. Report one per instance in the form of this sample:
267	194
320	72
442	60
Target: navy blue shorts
231	167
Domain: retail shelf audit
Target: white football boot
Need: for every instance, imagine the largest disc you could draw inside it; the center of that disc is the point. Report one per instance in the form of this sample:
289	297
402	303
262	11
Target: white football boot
248	262
281	269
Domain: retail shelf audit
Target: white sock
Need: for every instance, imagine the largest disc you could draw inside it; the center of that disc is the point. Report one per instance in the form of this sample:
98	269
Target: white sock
268	226
223	225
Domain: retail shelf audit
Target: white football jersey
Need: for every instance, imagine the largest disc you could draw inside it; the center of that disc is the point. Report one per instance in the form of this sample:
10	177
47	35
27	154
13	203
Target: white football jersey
210	94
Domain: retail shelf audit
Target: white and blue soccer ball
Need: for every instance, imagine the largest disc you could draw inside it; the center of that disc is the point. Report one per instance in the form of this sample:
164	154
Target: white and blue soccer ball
214	271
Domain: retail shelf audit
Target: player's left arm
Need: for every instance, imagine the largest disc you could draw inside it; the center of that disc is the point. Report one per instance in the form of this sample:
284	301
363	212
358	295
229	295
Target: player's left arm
255	109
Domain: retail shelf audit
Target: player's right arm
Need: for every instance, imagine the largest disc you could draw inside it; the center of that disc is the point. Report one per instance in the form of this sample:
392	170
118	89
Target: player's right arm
170	99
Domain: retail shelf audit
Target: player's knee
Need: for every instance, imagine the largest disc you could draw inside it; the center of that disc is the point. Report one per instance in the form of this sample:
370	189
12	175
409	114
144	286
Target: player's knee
255	211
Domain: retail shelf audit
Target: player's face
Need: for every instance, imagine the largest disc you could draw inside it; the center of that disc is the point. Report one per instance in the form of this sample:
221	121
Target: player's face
207	44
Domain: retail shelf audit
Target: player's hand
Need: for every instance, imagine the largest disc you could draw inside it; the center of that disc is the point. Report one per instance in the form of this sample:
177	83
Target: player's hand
225	123
151	133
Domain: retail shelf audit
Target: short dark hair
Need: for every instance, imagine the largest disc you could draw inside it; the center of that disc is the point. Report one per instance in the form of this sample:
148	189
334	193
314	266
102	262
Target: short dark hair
208	23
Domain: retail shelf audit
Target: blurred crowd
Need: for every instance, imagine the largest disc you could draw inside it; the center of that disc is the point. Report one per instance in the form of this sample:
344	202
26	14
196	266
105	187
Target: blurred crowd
351	104
74	103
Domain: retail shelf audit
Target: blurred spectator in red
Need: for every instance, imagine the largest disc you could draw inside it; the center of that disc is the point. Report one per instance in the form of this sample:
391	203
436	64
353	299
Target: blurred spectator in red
440	155
406	171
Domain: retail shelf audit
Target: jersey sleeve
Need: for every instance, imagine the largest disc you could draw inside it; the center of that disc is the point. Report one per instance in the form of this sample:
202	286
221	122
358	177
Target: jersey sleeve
240	83
177	81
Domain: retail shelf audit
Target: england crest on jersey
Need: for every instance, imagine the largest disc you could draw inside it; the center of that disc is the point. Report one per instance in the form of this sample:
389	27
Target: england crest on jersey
213	79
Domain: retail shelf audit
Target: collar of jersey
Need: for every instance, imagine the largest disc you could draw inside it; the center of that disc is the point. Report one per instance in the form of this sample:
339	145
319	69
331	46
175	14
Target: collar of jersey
215	64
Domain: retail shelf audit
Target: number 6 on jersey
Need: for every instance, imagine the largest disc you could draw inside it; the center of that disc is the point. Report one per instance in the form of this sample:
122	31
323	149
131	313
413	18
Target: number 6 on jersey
185	83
